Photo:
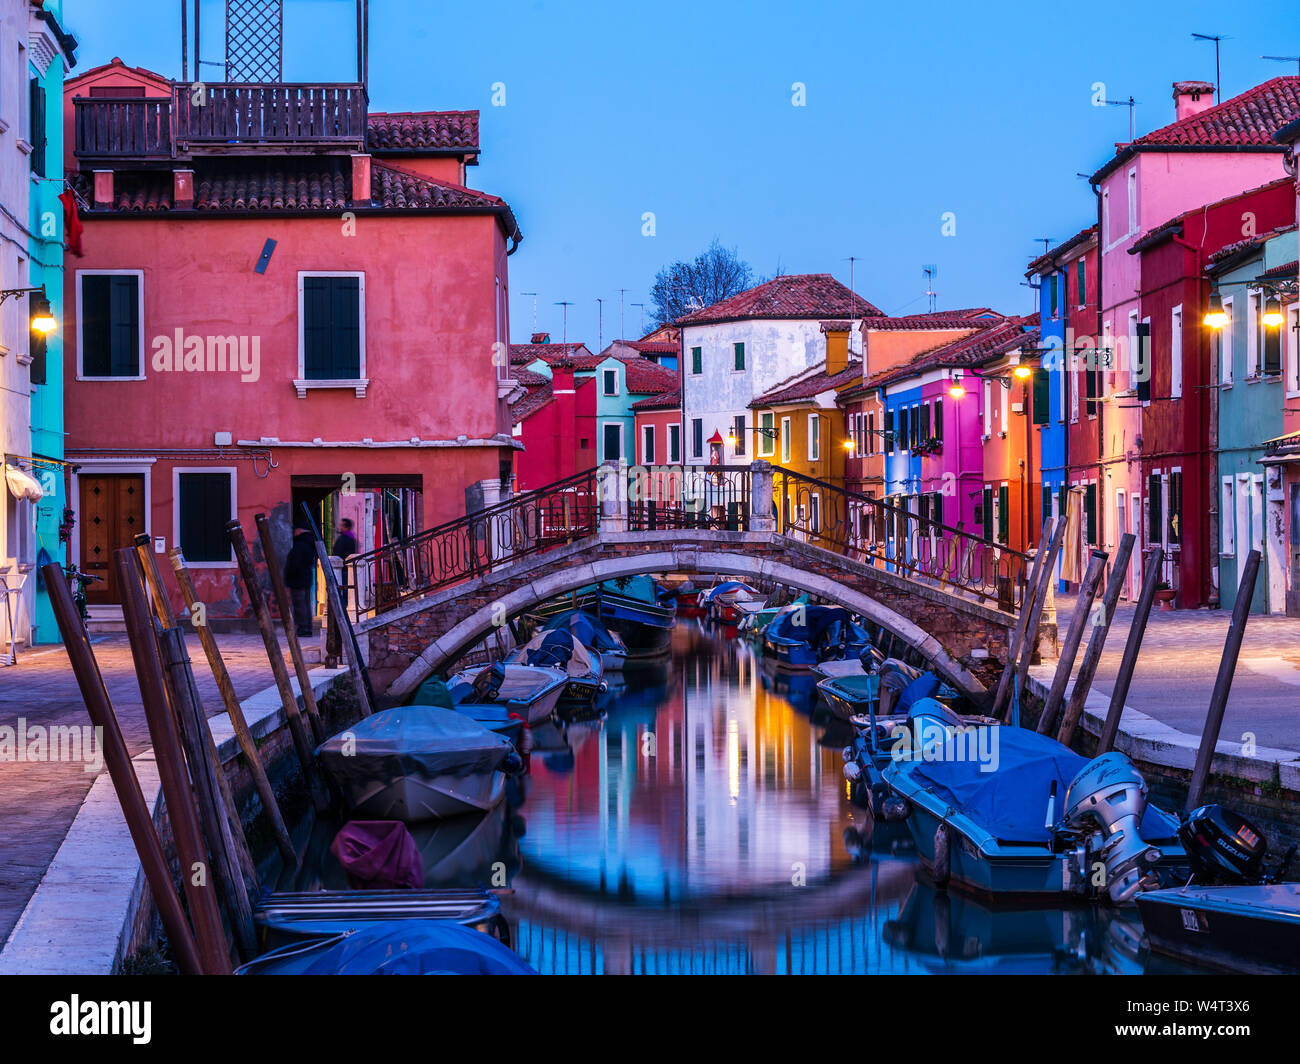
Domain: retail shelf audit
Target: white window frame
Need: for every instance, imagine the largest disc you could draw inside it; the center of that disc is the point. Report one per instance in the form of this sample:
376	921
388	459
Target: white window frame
674	444
1070	381
703	443
766	444
1292	353
786	449
1132	349
622	452
647	436
81	320
604	381
1254	309
744	346
1132	201
690	353
177	471
814	438
1227	518
987	411
1225	343
301	384
1105	218
1005	410
1256	512
1176	353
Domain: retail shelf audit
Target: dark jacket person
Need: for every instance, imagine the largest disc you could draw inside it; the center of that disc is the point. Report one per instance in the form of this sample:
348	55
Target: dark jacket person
299	576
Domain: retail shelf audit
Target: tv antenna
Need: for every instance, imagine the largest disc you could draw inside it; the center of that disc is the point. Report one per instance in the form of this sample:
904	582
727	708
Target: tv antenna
620	314
1285	59
600	324
642	306
1131	104
564	336
1216	38
930	271
534	295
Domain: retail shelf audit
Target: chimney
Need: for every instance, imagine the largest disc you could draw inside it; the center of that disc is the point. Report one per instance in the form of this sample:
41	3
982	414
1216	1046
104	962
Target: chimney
837	347
540	338
103	188
183	189
1191	98
361	180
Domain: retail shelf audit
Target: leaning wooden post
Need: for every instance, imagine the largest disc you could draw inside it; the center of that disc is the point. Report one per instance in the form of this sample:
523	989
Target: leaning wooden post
1110	727
1073	637
1096	641
287	699
287	620
233	709
204	773
1223	682
346	636
1045	575
153	579
1013	645
139	819
196	877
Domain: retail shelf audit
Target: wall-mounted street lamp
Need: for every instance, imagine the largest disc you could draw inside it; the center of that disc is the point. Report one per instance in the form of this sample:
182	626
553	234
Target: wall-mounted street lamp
42	319
1216	317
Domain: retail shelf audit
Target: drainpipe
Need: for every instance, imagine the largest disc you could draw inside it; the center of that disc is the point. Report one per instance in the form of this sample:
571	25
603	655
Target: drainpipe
1210	544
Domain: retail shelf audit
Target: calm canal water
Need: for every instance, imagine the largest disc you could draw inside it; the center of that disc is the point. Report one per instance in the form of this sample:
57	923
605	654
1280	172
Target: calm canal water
704	826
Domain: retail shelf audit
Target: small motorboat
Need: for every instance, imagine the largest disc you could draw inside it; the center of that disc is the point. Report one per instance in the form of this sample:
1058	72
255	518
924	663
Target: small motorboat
592	633
802	636
501	719
982	807
559	649
531	691
731	601
394	947
632	608
418	763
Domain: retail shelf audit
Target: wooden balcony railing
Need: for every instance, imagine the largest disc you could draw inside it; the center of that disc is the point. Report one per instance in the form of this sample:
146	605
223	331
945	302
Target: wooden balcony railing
219	117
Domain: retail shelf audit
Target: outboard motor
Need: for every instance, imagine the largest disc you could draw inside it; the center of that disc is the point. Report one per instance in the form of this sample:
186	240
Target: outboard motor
1112	792
488	682
1223	847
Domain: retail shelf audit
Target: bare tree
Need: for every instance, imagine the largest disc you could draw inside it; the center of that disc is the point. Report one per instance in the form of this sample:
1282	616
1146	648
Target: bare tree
683	287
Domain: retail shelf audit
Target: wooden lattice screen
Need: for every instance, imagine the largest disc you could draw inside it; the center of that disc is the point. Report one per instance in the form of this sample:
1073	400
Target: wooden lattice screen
255	40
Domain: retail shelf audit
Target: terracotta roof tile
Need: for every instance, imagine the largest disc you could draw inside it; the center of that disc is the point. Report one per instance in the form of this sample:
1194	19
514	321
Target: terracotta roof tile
420	132
1253	117
645	377
652	347
812	295
808	385
943	319
531	402
1287	269
971	350
669	400
522	354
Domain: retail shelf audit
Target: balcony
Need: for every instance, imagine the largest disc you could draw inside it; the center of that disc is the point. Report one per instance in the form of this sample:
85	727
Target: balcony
228	119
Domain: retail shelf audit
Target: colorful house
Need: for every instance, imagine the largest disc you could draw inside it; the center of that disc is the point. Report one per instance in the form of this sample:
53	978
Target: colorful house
260	325
1207	153
659	428
1252	505
556	415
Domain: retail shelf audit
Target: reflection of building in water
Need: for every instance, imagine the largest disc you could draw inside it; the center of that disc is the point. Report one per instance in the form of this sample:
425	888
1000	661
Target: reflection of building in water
710	783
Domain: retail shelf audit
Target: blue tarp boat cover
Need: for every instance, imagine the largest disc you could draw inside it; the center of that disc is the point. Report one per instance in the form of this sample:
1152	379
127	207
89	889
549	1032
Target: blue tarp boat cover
924	686
396	947
808	624
1011	802
587	629
426	741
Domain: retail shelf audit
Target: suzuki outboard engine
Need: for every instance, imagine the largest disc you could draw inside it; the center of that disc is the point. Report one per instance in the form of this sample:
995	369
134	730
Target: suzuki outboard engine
1110	791
1223	847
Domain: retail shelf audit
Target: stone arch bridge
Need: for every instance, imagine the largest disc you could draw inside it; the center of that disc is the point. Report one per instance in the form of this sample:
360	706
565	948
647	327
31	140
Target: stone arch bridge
421	604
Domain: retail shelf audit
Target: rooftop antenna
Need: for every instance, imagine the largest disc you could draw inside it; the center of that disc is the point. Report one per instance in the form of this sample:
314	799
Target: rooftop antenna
1216	38
853	293
930	270
566	305
642	306
534	295
1285	59
620	314
1131	104
600	324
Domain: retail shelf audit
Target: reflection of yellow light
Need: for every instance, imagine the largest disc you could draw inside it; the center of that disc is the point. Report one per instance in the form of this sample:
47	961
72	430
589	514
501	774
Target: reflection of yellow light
733	758
1022	372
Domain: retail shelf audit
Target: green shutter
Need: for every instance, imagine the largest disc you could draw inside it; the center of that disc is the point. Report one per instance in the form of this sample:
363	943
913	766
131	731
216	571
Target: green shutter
1143	363
1003	517
1175	515
1090	508
938	420
739	350
986	511
1042	396
697	360
204	509
331	328
1081	284
1155	509
37	133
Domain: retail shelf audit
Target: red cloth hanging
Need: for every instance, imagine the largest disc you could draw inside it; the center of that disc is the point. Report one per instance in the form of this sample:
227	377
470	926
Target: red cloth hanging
72	226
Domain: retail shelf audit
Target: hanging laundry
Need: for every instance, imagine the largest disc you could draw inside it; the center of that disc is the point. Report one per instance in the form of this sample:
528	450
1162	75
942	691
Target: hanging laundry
71	222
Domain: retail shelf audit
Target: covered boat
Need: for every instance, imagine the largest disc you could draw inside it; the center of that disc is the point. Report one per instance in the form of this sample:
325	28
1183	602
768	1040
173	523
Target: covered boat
1250	928
531	691
417	763
559	649
592	633
731	601
632	607
395	947
1006	811
501	719
802	636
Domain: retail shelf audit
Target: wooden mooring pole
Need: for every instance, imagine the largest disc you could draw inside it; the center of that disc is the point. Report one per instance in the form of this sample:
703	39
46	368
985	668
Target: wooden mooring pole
1223	682
1018	662
138	816
1097	640
1013	645
1073	637
1110	728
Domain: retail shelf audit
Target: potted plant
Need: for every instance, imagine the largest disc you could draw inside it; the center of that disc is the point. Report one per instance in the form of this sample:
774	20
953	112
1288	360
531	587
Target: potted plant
1165	595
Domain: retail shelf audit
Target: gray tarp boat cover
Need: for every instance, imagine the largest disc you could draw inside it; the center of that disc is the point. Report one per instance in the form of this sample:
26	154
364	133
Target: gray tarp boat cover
556	649
421	741
522	682
587	629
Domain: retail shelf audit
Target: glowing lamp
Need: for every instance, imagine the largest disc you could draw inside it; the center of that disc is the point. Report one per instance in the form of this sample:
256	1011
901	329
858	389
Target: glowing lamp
42	318
1273	312
1215	317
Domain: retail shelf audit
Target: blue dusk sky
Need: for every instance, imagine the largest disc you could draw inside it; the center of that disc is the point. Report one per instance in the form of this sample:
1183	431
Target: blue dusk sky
686	110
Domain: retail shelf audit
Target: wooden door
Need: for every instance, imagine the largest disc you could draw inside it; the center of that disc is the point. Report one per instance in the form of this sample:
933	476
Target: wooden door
112	515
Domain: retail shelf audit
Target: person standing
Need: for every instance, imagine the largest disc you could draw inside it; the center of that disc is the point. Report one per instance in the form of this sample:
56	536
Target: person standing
299	576
345	545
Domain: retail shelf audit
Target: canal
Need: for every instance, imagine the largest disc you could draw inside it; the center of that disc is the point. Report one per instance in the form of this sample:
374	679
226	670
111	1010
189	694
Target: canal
703	826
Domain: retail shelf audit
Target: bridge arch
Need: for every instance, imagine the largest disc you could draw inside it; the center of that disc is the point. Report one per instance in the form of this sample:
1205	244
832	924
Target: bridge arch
474	613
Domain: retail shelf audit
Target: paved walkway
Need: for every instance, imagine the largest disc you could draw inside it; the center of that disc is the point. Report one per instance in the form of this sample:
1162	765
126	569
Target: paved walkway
1179	661
38	800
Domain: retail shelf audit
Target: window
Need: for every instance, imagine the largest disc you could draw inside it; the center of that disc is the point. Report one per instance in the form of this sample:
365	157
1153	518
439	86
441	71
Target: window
1091	379
1090	512
647	445
924	430
916	425
1132	201
109	314
1006	417
674	443
1293	350
987	408
697	438
985	515
1227	508
205	503
37	121
1155	509
814	438
1046	511
815	513
890	438
697	360
1042	396
613	441
904	429
938	419
1052	295
1081	284
331	315
1271	341
1004	513
37	346
785	439
871	434
1223	340
1105	218
1174	511
740	430
1176	354
1254	329
609	379
1142	367
767	438
738	354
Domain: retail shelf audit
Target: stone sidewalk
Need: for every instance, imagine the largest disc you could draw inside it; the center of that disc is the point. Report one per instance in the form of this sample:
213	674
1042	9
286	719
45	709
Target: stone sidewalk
38	800
1179	661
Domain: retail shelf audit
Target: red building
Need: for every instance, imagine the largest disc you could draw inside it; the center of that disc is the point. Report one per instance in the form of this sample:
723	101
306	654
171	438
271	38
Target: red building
557	418
264	320
1179	471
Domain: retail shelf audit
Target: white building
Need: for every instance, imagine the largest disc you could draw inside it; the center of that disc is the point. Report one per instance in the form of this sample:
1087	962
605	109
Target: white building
736	350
